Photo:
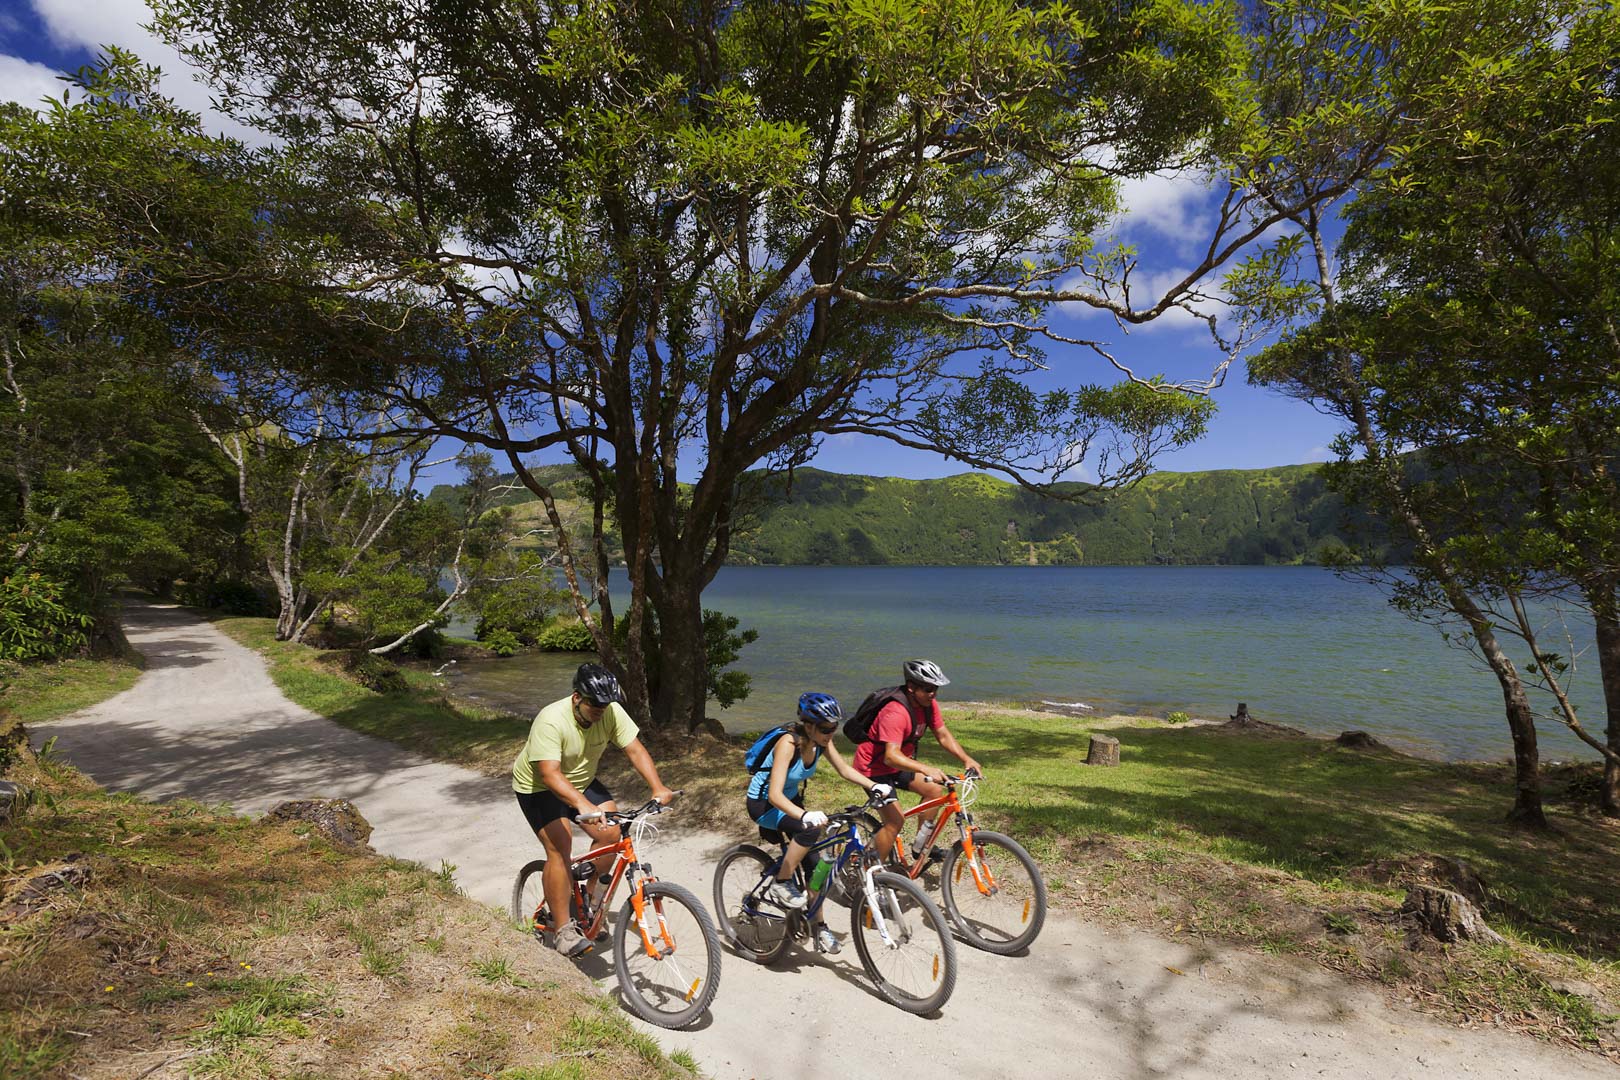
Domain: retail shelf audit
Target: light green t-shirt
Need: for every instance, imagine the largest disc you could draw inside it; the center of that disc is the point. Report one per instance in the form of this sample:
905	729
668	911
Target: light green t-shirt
554	736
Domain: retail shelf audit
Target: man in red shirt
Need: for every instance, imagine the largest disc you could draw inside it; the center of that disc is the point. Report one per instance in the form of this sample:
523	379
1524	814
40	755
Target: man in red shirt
889	755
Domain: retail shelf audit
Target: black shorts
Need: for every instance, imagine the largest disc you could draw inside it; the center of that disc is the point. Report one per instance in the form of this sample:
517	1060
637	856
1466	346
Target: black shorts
541	808
787	829
900	781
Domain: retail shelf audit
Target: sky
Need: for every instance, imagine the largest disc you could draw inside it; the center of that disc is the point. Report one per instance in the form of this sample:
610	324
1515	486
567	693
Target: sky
1253	428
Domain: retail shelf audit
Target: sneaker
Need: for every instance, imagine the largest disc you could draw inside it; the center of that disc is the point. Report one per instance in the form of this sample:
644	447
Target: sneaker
786	894
827	941
936	855
570	942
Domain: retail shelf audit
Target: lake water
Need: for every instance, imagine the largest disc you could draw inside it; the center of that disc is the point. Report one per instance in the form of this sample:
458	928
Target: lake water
1298	644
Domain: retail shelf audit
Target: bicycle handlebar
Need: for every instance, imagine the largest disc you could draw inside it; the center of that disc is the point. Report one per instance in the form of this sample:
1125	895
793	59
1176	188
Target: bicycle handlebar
625	817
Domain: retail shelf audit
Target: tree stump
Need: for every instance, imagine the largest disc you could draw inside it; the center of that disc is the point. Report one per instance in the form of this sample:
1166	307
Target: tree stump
1447	915
1104	750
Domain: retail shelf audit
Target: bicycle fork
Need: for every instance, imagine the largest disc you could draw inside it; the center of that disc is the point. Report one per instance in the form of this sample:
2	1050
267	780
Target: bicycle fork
981	873
640	908
654	928
874	910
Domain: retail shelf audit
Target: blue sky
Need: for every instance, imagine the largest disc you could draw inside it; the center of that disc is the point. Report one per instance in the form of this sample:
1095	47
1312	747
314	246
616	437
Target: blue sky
1253	428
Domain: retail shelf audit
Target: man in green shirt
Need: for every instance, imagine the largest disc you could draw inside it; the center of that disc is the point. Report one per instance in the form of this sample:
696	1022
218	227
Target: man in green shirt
554	778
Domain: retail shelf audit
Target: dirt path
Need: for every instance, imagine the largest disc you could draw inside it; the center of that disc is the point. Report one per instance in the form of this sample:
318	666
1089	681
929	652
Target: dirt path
206	722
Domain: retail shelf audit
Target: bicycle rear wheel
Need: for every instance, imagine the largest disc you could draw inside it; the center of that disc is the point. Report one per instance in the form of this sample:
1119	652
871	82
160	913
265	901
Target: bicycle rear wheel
529	898
757	931
671	984
998	898
914	965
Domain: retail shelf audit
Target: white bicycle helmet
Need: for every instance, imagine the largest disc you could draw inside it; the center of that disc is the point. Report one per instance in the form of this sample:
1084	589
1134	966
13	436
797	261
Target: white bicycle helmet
924	671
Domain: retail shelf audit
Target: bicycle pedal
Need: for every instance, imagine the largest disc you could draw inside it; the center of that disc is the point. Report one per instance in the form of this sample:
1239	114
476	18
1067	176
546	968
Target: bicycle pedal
936	855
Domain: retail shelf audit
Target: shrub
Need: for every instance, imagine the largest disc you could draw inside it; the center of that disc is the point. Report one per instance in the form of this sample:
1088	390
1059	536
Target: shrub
37	622
519	607
502	642
1178	717
566	637
374	673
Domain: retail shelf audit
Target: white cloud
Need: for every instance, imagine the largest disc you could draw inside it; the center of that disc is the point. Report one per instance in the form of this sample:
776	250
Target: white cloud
26	82
95	24
1170	204
1318	453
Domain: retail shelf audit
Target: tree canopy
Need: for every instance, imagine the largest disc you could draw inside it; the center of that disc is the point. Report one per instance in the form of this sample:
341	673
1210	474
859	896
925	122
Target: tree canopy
1477	322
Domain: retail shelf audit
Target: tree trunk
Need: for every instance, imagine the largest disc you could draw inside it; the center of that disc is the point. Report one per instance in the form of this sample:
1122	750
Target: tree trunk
1527	809
287	614
1607	620
683	674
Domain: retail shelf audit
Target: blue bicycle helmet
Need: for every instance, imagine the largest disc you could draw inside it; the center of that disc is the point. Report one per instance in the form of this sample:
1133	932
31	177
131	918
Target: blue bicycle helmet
817	708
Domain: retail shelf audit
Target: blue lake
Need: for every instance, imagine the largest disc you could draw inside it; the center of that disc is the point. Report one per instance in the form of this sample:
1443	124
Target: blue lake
1298	644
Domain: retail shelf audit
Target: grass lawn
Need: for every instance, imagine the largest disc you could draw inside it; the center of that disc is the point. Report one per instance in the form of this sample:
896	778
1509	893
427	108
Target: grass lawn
1298	845
1308	807
34	693
225	947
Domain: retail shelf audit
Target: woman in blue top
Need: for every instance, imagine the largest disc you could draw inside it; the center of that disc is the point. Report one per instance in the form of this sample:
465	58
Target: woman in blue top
776	796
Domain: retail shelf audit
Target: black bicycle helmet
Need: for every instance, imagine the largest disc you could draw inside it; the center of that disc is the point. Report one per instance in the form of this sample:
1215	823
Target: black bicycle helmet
597	685
817	708
924	671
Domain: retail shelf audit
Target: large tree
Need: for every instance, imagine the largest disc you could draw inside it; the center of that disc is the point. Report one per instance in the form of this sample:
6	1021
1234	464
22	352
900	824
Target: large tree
699	237
1478	325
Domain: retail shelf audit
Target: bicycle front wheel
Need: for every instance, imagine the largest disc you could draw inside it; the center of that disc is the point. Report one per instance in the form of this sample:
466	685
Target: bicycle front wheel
529	898
905	944
758	931
669	963
997	899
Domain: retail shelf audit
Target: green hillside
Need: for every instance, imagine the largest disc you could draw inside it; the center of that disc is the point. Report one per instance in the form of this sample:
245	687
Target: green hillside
1252	516
1282	515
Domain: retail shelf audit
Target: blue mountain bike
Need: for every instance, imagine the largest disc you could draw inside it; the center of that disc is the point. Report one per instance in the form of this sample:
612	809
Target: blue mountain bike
901	937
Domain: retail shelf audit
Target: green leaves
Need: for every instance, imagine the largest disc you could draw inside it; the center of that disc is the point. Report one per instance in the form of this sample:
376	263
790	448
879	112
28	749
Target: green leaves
37	622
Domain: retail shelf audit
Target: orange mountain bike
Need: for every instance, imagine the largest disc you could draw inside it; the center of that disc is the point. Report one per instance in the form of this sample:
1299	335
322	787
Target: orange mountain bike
992	889
665	949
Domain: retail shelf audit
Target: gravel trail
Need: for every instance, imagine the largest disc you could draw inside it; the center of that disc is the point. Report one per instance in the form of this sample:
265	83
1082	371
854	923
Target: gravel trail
206	722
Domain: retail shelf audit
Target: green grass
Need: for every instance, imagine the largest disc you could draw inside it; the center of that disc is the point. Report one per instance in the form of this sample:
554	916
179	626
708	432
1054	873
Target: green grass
39	692
1306	806
263	1007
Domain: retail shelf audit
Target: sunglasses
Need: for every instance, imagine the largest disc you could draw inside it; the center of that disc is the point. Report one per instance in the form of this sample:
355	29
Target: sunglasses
827	729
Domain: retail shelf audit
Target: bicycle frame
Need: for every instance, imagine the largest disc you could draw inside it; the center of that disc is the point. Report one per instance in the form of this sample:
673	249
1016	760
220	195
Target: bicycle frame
850	846
948	805
624	852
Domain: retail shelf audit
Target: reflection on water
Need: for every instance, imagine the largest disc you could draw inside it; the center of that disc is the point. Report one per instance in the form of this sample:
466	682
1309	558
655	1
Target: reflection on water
1298	644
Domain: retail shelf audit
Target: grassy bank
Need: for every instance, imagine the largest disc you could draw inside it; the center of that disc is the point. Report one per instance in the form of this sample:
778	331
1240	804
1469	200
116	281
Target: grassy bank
204	944
1302	846
38	692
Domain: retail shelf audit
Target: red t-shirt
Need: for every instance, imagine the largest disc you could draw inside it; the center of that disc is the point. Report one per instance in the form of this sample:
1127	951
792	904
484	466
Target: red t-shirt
894	723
